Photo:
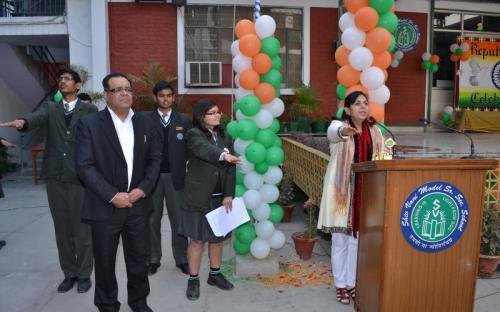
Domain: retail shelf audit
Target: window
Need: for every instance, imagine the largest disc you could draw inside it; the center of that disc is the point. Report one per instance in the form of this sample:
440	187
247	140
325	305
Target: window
209	34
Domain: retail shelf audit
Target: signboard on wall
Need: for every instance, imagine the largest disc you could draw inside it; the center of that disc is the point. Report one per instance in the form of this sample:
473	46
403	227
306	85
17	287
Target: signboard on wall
479	79
407	35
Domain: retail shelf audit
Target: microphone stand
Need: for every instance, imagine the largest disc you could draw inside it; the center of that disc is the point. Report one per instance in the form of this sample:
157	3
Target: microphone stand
472	147
393	148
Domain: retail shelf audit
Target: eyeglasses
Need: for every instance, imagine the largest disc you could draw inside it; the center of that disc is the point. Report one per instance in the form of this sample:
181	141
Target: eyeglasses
120	90
213	113
64	78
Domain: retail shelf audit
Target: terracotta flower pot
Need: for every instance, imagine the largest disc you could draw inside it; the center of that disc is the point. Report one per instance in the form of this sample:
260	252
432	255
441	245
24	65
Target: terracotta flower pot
287	212
303	246
488	264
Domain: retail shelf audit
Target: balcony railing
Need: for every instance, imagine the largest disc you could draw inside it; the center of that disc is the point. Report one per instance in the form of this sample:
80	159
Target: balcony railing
17	8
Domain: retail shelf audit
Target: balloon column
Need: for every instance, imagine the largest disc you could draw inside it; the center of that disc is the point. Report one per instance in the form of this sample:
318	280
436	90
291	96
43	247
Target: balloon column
430	62
460	52
257	65
364	55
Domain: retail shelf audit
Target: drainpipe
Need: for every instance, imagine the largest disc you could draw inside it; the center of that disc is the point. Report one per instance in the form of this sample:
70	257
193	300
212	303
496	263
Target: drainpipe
431	49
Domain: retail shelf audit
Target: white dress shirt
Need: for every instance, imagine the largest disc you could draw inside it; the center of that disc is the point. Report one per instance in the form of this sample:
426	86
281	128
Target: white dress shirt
125	132
71	104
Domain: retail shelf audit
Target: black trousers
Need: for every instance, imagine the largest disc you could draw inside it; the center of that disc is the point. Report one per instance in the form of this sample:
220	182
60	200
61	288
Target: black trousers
134	231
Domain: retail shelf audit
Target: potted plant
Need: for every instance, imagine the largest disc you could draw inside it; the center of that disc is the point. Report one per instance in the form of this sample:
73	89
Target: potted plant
287	194
319	124
304	241
490	240
306	102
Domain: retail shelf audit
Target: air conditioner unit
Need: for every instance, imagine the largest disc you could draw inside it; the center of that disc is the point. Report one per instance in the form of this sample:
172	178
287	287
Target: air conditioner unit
203	74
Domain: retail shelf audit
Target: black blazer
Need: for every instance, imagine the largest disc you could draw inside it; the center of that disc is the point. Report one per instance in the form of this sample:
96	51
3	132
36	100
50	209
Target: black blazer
177	152
102	168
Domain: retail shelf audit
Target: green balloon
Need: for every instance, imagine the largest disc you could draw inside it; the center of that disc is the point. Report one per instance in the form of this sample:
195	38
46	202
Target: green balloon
341	91
250	213
255	153
382	129
278	142
58	96
236	106
278	92
276	62
388	21
232	128
446	118
275	156
250	105
239	190
382	6
426	65
270	46
272	77
392	46
245	233
247	129
261	167
459	51
340	112
434	68
265	137
275	126
240	248
276	213
239	178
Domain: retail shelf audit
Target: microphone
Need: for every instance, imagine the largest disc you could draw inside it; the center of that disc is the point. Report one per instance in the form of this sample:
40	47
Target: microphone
393	148
472	147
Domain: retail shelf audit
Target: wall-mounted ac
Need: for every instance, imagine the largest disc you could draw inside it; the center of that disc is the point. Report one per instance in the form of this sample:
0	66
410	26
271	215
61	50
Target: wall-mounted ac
203	74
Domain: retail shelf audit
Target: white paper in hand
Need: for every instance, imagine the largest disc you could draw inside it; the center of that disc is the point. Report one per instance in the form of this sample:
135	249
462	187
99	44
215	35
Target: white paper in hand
222	222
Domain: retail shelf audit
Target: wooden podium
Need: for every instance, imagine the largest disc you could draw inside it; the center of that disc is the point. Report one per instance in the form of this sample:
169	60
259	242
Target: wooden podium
393	275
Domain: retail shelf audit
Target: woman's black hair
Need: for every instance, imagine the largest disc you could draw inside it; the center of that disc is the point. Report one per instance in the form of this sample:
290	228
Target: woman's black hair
200	109
351	99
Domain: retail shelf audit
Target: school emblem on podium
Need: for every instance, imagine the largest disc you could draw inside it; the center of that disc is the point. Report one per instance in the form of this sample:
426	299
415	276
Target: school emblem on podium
434	216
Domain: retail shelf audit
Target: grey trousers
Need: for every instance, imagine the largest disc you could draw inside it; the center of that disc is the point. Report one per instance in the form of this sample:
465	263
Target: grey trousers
165	191
73	238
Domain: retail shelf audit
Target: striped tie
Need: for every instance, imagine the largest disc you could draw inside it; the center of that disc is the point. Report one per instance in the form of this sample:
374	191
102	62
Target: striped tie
66	109
165	122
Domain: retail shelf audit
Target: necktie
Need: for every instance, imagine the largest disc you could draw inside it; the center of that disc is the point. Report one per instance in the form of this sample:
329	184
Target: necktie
66	109
165	122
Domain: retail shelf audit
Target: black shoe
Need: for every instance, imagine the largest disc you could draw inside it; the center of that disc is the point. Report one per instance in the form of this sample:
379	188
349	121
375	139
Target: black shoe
66	285
220	281
153	268
193	289
2	243
83	285
144	308
184	267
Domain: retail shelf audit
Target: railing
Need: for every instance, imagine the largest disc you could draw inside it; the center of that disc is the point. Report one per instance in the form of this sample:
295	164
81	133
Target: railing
16	8
44	55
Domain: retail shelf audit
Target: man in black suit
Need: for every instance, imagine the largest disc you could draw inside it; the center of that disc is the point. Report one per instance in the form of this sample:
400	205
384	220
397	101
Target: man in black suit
118	157
173	126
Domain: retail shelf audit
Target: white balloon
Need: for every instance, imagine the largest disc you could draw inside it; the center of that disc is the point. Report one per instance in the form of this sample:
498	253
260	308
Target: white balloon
346	21
353	38
237	80
398	55
276	107
464	46
361	58
241	145
426	56
252	199
277	240
380	95
273	175
245	166
394	63
269	193
263	119
241	93
262	212
253	180
241	63
264	229
235	48
259	248
372	78
265	26
447	109
453	47
240	115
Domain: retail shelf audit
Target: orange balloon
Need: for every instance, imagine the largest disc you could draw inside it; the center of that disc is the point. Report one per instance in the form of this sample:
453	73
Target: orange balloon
454	57
249	79
393	8
265	92
465	56
342	55
357	87
354	5
366	18
376	111
341	104
378	40
434	59
386	74
244	27
250	45
261	63
348	76
382	60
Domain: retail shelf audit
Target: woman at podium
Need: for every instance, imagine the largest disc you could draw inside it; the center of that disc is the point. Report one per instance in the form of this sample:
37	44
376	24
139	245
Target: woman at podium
354	138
